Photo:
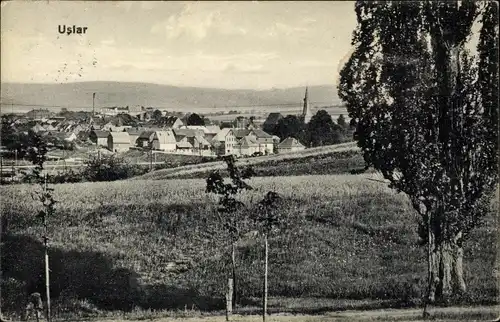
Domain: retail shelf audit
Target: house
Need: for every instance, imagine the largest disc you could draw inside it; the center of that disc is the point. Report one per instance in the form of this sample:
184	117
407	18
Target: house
201	146
290	145
145	138
225	142
172	122
100	138
184	146
247	146
211	131
118	141
164	140
38	128
62	136
134	135
265	141
271	121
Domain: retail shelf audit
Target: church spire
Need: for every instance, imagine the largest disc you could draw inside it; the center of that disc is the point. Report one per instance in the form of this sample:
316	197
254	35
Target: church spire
306	111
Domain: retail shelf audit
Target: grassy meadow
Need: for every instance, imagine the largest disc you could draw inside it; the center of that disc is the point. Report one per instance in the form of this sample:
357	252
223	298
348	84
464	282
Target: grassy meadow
156	245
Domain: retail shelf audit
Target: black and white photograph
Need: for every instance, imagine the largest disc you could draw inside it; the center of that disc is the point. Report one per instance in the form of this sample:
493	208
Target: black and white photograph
274	161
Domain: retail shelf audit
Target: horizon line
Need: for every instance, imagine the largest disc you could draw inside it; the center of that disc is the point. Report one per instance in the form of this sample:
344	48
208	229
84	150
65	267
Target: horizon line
171	85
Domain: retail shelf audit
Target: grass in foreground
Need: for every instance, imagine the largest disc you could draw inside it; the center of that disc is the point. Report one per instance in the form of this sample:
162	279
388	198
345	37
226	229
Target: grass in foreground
141	244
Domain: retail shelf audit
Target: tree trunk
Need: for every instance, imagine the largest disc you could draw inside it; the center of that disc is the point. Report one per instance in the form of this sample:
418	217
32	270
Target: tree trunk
229	299
233	272
446	270
264	293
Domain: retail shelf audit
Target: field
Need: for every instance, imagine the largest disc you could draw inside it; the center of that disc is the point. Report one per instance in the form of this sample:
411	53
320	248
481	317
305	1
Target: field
155	246
332	159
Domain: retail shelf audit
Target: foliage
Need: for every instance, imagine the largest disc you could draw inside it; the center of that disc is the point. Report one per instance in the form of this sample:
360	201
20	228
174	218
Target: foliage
269	215
421	117
289	126
195	119
109	168
13	140
157	115
341	121
323	131
227	192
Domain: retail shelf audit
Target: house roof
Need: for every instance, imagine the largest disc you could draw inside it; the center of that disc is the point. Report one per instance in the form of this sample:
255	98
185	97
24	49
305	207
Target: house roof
260	134
120	137
290	143
187	132
239	133
61	135
164	137
184	144
221	135
134	131
202	140
101	134
273	118
169	121
146	135
247	142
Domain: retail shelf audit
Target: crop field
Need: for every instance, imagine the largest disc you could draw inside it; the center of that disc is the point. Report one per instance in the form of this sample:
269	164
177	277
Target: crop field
157	245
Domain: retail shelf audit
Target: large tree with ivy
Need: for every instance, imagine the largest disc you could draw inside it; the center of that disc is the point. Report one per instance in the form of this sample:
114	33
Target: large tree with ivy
425	102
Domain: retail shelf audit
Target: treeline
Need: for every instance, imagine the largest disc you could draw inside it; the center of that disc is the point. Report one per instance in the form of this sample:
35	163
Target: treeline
321	129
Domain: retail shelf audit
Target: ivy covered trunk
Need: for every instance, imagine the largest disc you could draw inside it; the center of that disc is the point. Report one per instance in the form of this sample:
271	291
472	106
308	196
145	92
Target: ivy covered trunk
446	275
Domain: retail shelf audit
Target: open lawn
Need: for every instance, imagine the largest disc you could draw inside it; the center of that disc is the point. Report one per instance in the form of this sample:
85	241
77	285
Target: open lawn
156	245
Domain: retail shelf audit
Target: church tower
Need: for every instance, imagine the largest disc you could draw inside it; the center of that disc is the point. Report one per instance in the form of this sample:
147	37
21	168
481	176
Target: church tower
306	111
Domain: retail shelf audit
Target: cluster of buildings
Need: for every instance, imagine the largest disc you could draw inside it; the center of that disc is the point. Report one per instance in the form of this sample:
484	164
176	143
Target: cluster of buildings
171	135
194	140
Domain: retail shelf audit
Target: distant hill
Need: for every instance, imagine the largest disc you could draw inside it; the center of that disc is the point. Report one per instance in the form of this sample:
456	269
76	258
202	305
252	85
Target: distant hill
79	96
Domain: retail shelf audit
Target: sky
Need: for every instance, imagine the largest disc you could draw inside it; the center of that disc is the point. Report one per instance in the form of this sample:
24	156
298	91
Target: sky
247	44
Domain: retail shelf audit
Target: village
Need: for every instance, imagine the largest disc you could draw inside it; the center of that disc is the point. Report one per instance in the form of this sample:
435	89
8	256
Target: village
118	130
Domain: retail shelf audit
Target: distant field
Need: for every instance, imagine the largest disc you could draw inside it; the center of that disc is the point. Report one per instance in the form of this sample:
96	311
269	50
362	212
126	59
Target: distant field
156	245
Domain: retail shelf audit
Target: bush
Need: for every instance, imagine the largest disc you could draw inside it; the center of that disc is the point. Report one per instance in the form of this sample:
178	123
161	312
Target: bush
110	169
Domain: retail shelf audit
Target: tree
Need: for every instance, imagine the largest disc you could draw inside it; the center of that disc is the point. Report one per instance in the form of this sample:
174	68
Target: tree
37	155
289	126
195	119
424	121
341	121
157	115
269	219
322	130
228	210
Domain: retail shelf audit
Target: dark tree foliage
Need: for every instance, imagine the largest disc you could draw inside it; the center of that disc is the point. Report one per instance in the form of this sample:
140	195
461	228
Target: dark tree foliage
14	140
427	117
227	191
323	131
289	126
195	119
157	115
268	215
109	168
341	121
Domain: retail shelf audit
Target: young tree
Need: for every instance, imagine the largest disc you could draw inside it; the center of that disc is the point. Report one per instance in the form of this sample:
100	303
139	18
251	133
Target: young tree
269	219
37	155
229	209
424	120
